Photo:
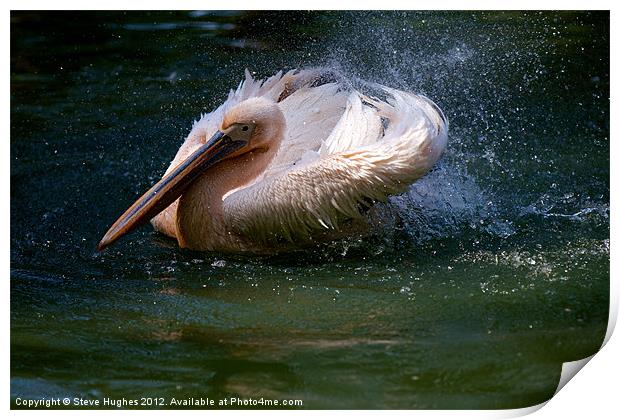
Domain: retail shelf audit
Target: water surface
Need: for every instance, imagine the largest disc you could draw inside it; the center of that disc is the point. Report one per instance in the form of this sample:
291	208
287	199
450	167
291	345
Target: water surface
495	274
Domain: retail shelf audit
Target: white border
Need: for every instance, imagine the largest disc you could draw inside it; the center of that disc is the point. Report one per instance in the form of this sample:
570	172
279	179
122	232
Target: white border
592	394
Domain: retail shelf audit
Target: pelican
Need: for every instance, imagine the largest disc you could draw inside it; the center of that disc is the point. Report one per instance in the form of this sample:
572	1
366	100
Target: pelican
289	162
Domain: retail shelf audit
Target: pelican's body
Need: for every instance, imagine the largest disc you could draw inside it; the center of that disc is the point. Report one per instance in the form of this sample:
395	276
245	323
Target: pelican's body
300	156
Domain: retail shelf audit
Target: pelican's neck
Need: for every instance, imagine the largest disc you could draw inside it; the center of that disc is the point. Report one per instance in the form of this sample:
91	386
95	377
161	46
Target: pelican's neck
200	218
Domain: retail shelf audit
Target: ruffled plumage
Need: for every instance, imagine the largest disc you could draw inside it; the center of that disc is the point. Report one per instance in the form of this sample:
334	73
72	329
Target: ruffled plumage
342	149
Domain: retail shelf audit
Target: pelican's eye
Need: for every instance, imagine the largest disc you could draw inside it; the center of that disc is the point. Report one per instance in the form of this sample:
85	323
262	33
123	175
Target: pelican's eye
245	128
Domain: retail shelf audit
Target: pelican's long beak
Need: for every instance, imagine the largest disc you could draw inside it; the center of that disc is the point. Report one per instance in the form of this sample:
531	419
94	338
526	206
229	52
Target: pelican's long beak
171	186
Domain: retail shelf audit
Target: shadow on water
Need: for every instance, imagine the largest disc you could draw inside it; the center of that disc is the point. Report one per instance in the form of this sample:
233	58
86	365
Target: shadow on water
486	276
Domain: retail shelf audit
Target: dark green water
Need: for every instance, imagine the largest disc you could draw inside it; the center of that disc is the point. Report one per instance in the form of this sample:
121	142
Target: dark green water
497	273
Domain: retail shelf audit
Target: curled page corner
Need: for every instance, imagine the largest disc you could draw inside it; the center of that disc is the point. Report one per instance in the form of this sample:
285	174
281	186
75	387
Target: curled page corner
570	369
520	412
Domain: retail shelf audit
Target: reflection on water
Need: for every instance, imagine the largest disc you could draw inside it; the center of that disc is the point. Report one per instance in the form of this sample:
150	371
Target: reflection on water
492	271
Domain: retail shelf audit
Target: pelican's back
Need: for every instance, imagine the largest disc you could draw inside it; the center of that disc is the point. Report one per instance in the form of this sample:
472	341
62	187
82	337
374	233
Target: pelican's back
376	148
311	114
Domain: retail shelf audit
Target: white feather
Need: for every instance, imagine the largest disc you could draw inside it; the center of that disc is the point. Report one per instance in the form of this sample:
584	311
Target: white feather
293	205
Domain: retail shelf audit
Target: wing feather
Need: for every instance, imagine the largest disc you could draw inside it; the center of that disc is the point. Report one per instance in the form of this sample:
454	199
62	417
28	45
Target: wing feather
359	125
320	195
311	114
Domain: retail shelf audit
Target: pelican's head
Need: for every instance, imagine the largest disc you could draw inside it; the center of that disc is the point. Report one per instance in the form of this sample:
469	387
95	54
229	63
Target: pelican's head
255	125
258	121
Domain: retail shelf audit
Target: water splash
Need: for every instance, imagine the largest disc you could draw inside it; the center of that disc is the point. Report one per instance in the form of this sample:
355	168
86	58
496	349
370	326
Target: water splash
480	84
